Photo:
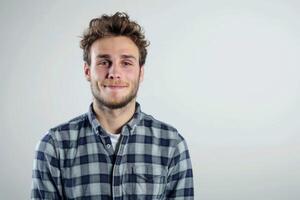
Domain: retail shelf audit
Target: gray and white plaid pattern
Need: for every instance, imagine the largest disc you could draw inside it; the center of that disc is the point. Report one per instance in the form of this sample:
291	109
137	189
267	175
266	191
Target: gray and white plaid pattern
75	160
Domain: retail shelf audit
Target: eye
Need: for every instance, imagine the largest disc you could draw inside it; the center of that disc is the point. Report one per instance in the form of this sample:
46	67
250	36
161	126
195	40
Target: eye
127	63
104	63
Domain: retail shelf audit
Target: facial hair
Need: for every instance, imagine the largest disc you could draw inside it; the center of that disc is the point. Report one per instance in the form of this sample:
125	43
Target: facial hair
109	103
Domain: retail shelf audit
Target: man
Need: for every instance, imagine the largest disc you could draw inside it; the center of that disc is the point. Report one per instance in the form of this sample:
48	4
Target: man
114	151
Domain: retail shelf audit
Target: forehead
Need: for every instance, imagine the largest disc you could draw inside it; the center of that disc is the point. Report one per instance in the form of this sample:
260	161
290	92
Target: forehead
114	46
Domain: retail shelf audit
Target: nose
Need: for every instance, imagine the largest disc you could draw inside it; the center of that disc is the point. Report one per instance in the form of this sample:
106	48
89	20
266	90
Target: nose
114	71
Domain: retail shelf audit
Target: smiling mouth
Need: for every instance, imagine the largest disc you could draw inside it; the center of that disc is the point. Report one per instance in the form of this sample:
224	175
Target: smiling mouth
115	86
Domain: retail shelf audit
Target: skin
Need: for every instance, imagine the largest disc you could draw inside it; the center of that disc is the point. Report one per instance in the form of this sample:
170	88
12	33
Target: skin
114	74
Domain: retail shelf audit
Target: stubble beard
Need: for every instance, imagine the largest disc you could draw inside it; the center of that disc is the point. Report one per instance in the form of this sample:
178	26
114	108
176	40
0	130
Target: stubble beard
110	103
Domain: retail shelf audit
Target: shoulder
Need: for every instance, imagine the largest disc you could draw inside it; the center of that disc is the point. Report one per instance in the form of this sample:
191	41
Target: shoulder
66	131
73	124
159	128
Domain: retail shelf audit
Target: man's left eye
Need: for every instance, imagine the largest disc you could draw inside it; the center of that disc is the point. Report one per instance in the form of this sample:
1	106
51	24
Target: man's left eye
127	63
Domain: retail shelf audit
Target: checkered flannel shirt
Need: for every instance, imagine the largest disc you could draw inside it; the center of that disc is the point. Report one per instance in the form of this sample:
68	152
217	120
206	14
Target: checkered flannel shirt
76	160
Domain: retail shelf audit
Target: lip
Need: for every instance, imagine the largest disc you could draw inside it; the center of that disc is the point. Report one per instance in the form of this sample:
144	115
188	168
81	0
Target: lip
115	86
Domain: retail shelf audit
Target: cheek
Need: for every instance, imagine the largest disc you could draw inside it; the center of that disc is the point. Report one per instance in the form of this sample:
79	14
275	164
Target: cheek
96	80
98	76
133	75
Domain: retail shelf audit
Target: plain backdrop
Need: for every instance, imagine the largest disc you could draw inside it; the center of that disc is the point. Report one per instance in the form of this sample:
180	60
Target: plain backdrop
224	73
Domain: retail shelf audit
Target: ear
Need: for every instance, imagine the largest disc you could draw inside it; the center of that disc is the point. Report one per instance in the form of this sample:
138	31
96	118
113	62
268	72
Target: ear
141	73
87	71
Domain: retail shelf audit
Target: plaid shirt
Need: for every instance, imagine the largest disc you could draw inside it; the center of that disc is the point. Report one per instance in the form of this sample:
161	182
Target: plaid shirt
76	160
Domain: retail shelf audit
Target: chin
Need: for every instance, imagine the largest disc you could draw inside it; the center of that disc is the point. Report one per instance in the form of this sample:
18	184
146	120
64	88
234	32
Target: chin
116	105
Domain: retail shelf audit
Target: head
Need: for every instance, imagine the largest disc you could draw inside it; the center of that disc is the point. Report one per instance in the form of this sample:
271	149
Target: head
118	24
114	51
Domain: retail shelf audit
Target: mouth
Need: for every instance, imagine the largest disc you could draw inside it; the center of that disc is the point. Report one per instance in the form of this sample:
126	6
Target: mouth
115	86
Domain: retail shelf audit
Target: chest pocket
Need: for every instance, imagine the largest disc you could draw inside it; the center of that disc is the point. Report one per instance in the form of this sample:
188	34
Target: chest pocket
143	180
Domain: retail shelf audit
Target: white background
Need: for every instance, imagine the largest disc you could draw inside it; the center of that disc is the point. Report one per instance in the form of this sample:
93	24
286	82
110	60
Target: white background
224	73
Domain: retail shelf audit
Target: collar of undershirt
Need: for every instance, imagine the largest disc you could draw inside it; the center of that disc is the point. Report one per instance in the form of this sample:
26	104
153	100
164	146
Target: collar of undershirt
131	124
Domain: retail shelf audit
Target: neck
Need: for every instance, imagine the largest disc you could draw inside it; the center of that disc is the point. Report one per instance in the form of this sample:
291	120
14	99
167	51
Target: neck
112	120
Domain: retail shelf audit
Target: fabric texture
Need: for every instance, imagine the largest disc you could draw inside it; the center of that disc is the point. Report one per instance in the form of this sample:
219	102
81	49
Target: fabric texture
75	160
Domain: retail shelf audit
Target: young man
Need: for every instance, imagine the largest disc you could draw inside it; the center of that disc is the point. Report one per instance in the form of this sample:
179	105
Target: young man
114	151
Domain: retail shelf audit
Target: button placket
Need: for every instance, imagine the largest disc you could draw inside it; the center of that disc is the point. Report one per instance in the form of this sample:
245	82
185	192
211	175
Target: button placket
117	168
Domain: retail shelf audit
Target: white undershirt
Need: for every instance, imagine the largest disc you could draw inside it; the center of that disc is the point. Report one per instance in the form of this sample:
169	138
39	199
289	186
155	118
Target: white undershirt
114	138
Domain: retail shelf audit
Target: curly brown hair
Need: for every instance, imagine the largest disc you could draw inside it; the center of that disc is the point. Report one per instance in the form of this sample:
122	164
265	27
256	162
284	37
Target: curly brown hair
117	24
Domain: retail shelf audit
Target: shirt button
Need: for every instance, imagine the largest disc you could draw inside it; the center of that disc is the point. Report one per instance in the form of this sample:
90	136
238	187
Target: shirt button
108	146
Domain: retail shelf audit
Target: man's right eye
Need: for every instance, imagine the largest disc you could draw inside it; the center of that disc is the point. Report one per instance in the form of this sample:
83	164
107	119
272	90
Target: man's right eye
104	63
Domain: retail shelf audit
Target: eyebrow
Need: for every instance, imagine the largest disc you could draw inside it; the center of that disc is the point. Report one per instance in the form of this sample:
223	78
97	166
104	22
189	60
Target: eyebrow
122	56
129	56
103	56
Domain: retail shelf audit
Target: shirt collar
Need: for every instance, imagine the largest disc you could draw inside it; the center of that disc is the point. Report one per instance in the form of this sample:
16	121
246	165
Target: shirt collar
133	122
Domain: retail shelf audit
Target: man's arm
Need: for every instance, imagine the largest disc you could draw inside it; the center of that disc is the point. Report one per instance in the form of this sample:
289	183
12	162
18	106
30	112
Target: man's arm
180	177
46	177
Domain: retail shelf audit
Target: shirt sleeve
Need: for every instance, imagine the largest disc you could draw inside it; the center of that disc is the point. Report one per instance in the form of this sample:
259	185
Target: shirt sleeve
180	183
46	175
